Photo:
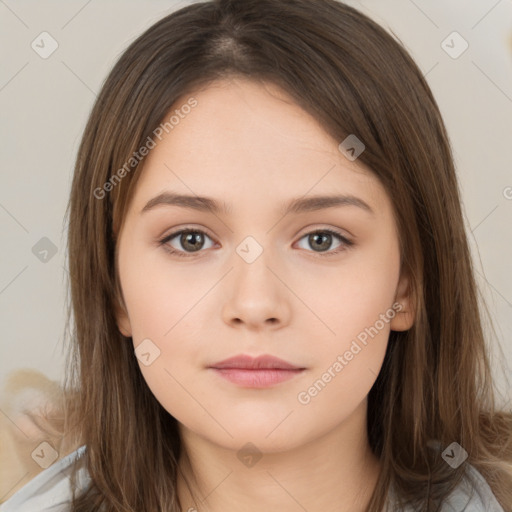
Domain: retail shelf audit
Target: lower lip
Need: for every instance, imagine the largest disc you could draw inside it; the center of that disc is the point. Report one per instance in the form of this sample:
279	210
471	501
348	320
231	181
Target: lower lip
256	378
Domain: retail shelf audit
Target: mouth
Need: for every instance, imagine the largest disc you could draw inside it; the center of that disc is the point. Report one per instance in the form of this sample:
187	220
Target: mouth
260	372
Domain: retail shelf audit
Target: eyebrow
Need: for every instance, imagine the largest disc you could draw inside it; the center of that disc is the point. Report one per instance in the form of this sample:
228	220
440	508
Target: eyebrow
299	205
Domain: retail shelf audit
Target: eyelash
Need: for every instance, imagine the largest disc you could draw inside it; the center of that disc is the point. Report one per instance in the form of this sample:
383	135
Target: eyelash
182	254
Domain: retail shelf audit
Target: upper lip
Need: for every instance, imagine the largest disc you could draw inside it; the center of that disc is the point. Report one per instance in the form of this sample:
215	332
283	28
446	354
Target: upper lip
247	362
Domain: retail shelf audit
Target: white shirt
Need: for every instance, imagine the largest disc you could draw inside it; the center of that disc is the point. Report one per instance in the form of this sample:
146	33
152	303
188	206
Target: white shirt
50	490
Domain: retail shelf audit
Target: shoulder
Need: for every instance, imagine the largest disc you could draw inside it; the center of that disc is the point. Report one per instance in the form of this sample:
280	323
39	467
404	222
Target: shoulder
50	490
473	494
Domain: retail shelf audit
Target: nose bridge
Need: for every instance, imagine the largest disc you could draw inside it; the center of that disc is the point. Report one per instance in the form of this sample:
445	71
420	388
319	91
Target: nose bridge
252	264
256	295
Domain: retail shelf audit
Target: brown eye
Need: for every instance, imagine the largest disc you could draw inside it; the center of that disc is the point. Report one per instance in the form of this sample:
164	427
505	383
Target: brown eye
321	241
190	240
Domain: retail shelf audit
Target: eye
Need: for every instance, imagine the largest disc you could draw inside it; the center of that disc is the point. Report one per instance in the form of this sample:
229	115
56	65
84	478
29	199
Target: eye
190	240
322	239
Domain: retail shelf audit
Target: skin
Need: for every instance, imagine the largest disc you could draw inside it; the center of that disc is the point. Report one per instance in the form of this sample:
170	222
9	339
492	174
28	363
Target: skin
247	144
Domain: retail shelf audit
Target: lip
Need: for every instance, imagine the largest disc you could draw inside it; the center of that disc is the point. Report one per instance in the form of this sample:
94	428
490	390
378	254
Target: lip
259	372
263	362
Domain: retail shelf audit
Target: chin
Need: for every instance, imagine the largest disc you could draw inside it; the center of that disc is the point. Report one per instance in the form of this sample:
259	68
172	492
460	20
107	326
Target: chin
262	434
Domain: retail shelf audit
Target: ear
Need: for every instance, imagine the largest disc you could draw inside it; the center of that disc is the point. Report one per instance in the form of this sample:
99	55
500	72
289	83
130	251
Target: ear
404	318
123	320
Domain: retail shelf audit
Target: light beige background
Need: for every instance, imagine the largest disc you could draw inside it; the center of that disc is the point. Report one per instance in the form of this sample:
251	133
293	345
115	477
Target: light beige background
45	103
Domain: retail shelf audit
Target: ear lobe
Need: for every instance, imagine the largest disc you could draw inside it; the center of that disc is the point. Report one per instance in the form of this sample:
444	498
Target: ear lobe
123	321
404	318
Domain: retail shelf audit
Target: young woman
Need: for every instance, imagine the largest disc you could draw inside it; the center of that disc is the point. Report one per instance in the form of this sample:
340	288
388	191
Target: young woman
273	301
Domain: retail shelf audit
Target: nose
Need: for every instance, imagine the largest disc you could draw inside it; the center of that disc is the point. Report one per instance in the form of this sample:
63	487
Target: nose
256	296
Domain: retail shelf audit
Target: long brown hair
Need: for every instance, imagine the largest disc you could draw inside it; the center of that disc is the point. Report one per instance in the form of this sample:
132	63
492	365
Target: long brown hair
348	72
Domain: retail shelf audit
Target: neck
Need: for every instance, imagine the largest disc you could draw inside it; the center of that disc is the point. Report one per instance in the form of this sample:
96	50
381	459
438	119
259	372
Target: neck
336	472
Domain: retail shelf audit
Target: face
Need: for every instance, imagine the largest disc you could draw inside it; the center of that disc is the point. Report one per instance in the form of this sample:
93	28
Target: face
316	286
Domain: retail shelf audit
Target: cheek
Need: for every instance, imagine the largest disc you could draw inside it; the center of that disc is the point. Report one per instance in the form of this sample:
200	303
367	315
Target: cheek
160	294
165	305
164	311
357	307
356	304
356	293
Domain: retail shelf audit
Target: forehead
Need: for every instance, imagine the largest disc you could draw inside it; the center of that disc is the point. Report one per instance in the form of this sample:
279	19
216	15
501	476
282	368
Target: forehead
248	141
